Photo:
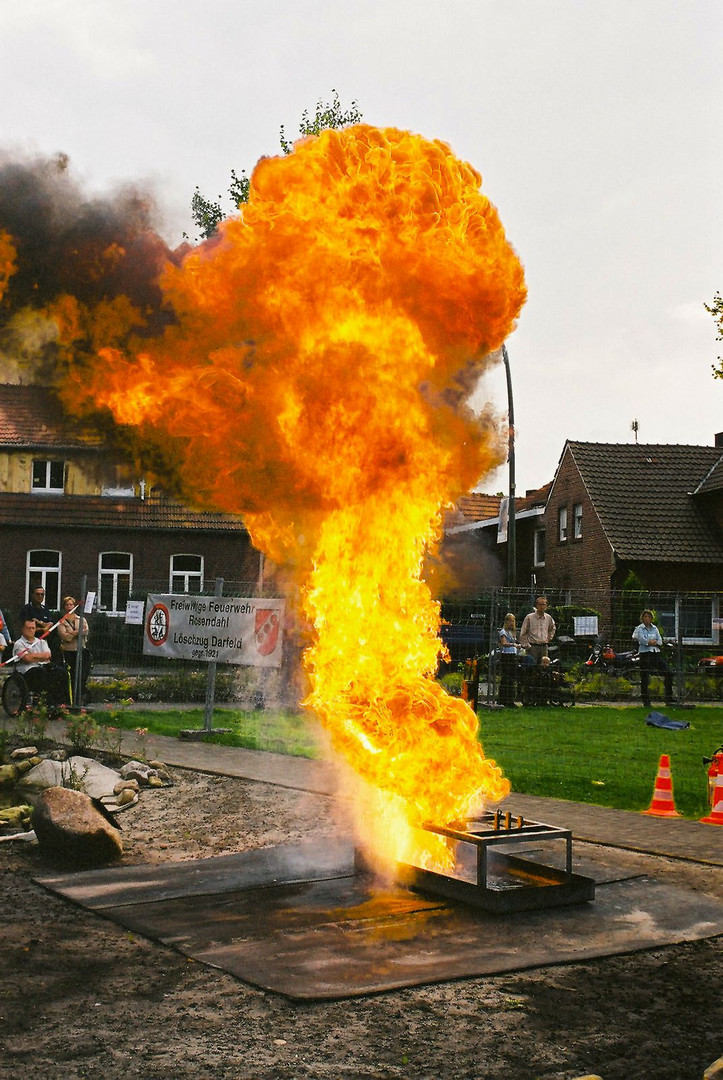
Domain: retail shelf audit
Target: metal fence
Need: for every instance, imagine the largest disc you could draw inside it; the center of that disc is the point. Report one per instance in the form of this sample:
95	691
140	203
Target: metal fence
690	623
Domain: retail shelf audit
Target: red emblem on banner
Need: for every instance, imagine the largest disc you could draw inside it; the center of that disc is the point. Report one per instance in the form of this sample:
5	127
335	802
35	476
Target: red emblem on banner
158	624
266	630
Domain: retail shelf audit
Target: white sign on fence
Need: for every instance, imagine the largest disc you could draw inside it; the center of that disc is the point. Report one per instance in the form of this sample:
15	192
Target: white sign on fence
231	630
585	625
134	612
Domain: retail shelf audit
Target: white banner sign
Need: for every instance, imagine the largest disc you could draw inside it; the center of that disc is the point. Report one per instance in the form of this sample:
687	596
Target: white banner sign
232	630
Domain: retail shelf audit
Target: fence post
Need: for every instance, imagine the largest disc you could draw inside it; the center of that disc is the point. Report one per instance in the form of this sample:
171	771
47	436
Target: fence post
492	659
211	676
679	674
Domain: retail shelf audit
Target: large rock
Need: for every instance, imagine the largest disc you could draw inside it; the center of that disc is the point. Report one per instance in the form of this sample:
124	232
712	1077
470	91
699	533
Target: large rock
69	827
84	773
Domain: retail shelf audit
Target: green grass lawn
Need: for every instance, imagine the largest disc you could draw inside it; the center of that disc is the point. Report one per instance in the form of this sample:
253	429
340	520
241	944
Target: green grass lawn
605	755
280	732
600	754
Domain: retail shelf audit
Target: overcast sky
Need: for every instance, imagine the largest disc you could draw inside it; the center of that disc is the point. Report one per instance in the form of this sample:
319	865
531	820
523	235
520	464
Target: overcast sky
597	127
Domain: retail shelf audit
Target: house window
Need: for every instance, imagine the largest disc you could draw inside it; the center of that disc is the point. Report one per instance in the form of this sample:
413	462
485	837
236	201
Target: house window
115	572
43	571
577	521
48	477
562	523
689	618
538	545
186	574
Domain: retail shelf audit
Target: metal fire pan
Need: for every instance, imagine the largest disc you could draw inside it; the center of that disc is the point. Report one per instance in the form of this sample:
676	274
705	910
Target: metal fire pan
499	881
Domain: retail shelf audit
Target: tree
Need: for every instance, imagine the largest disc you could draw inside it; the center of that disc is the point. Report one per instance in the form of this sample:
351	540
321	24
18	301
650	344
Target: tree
716	310
207	214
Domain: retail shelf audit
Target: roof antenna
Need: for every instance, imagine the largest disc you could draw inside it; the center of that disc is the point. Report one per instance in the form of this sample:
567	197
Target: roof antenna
634	428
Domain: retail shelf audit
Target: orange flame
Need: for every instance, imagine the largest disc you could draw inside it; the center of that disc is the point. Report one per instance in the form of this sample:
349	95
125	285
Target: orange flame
315	378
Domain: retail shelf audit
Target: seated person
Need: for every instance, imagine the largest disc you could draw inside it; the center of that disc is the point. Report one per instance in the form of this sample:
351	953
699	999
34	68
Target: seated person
33	658
36	609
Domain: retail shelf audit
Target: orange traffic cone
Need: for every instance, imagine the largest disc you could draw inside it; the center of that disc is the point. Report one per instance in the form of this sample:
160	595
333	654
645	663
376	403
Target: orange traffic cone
715	817
662	804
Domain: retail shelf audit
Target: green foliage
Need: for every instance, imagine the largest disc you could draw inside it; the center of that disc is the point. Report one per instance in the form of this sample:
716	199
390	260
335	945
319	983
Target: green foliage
176	684
71	778
31	725
208	214
565	615
330	115
81	730
716	310
599	686
452	683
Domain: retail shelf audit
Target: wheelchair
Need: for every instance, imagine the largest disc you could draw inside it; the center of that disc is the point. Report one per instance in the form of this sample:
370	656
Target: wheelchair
17	694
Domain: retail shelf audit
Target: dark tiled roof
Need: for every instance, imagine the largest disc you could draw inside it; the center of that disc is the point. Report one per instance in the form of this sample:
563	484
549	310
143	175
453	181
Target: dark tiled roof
532	498
714	480
31	417
643	497
107	512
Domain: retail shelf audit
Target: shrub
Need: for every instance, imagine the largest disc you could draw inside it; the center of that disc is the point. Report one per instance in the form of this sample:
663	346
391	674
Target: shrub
452	683
80	730
31	725
177	685
602	687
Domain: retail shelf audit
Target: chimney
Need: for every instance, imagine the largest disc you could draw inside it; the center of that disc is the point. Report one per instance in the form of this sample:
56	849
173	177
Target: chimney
718	439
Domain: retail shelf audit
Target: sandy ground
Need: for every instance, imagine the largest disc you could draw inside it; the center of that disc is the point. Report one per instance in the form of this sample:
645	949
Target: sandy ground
81	997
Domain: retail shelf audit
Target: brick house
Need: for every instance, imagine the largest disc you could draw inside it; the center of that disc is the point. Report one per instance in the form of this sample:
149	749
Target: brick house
479	529
612	510
655	511
71	507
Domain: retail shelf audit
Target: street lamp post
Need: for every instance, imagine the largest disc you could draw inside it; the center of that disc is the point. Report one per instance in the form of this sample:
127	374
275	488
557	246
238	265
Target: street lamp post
511	532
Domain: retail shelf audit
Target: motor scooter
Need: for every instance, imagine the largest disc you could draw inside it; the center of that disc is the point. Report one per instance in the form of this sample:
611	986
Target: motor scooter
604	657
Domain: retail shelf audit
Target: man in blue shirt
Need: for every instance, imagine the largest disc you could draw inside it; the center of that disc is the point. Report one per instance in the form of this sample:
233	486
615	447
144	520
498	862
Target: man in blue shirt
650	643
36	609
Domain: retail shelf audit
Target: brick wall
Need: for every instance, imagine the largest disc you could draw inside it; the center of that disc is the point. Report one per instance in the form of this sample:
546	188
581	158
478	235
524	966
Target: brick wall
584	563
226	554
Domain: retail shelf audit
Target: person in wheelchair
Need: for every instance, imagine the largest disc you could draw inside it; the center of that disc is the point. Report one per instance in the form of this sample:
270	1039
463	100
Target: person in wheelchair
33	658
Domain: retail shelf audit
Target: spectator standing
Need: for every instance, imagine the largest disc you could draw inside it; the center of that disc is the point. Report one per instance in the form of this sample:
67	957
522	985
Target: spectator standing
507	648
537	630
650	643
71	627
36	609
33	655
5	637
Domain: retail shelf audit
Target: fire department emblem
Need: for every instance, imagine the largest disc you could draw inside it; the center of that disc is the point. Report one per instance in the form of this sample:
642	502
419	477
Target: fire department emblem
266	630
158	624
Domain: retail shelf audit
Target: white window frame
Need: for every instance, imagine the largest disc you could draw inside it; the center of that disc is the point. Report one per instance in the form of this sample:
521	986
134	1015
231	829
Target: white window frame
40	572
48	488
538	542
674	616
116	573
562	524
577	521
187	575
